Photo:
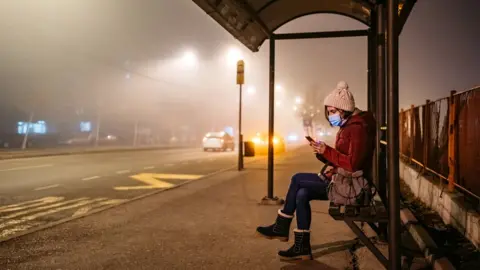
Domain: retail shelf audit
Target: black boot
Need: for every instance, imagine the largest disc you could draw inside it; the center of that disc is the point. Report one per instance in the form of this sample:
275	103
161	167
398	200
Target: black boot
279	230
301	250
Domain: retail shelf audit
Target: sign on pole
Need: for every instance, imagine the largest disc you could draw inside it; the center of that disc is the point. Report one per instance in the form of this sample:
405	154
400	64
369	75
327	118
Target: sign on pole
240	72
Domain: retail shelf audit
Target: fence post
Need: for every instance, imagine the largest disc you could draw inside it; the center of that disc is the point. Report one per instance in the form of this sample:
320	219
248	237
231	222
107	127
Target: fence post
412	131
426	133
452	126
401	130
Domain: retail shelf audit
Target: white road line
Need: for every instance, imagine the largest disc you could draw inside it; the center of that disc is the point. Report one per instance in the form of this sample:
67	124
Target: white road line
47	187
149	167
90	178
26	168
169	165
46	213
123	172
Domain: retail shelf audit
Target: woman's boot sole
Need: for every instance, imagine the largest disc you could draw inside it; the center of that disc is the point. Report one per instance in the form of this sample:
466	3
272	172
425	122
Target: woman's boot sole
297	258
281	238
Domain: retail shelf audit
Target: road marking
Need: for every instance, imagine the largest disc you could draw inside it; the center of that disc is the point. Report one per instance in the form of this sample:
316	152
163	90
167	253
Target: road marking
199	161
123	172
26	168
47	187
27	204
211	159
168	165
90	178
153	180
185	163
149	167
32	210
52	211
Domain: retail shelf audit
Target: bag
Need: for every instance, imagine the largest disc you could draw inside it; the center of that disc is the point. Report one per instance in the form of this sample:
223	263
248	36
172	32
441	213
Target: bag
347	188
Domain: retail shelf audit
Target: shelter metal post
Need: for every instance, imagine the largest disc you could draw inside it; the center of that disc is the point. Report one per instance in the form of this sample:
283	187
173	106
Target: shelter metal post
371	90
394	247
270	199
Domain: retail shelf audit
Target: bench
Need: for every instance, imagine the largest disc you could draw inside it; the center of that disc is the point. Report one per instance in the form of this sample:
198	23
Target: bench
375	213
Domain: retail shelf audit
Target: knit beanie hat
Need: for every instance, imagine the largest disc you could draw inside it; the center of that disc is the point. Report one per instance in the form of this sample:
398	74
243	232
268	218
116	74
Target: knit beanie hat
341	98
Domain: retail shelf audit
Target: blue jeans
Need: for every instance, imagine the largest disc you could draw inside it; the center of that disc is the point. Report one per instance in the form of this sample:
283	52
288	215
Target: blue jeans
304	187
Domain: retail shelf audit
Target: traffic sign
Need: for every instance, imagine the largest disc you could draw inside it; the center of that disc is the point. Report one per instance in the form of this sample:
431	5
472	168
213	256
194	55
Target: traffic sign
240	72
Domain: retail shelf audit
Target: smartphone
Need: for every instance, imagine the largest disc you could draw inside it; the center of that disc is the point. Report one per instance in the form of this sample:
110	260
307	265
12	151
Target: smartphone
309	139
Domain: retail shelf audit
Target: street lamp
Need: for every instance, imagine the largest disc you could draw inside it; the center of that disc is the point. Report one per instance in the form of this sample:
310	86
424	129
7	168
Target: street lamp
278	88
298	100
189	59
251	90
233	56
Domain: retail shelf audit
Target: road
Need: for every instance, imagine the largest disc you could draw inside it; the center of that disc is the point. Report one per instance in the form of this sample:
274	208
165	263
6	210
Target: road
38	191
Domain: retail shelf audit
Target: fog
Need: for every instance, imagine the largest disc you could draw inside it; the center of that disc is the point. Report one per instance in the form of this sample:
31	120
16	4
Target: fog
161	67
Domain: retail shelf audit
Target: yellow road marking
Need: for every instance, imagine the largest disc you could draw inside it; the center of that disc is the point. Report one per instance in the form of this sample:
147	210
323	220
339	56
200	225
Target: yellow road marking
26	212
47	187
46	213
26	204
153	180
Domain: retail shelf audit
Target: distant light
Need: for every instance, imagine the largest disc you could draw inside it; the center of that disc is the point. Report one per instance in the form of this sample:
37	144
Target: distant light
189	59
311	115
295	108
278	88
251	90
127	76
311	107
233	56
298	100
278	103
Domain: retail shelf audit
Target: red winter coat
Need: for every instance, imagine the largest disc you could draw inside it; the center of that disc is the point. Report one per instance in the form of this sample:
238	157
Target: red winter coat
355	144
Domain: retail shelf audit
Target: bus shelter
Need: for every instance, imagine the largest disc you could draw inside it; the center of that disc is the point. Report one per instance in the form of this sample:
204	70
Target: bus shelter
252	22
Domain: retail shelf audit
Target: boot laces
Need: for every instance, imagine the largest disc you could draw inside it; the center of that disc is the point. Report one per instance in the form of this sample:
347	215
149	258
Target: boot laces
297	247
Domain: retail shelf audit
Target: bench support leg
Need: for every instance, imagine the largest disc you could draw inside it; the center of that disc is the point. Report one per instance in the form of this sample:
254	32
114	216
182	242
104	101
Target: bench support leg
367	243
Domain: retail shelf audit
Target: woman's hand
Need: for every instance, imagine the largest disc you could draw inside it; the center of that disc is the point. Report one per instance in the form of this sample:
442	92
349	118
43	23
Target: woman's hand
318	147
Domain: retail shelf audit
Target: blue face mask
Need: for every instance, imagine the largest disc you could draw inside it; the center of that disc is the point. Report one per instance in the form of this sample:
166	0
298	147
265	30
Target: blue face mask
335	120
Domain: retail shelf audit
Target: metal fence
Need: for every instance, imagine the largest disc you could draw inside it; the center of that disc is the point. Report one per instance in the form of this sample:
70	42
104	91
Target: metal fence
443	137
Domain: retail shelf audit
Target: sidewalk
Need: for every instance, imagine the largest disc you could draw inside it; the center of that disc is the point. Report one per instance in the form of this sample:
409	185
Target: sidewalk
207	224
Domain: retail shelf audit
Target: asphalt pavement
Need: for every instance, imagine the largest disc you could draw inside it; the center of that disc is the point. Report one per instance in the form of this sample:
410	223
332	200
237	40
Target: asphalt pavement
36	192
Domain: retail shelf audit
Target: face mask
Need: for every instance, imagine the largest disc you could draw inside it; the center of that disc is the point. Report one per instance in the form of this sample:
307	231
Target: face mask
335	120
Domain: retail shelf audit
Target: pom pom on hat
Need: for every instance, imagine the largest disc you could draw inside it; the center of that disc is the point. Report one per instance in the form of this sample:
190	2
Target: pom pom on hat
341	98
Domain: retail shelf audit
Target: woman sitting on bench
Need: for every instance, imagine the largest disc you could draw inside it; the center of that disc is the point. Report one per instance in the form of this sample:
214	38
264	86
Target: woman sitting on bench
354	148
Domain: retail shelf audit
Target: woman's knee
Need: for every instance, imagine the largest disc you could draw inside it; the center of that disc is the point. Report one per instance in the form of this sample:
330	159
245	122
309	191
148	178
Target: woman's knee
296	178
302	196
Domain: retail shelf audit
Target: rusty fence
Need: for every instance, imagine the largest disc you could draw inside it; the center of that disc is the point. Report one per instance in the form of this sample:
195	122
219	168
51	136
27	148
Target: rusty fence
443	137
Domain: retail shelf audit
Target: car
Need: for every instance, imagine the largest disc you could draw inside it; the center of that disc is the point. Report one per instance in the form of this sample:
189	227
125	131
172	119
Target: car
215	141
261	143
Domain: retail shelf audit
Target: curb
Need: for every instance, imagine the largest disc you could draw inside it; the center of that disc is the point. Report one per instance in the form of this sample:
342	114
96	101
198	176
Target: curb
101	209
88	151
424	241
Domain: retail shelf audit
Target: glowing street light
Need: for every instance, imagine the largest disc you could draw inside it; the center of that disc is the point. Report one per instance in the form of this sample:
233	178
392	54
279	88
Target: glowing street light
298	100
295	108
278	88
233	56
278	103
189	59
251	90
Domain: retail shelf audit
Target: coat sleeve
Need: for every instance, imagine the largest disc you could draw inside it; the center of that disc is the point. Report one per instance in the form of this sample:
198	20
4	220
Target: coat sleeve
357	150
321	158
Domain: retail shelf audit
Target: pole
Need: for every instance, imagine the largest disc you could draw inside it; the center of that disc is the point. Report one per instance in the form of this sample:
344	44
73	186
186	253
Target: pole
380	109
271	116
135	134
98	130
372	89
392	137
240	135
25	137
